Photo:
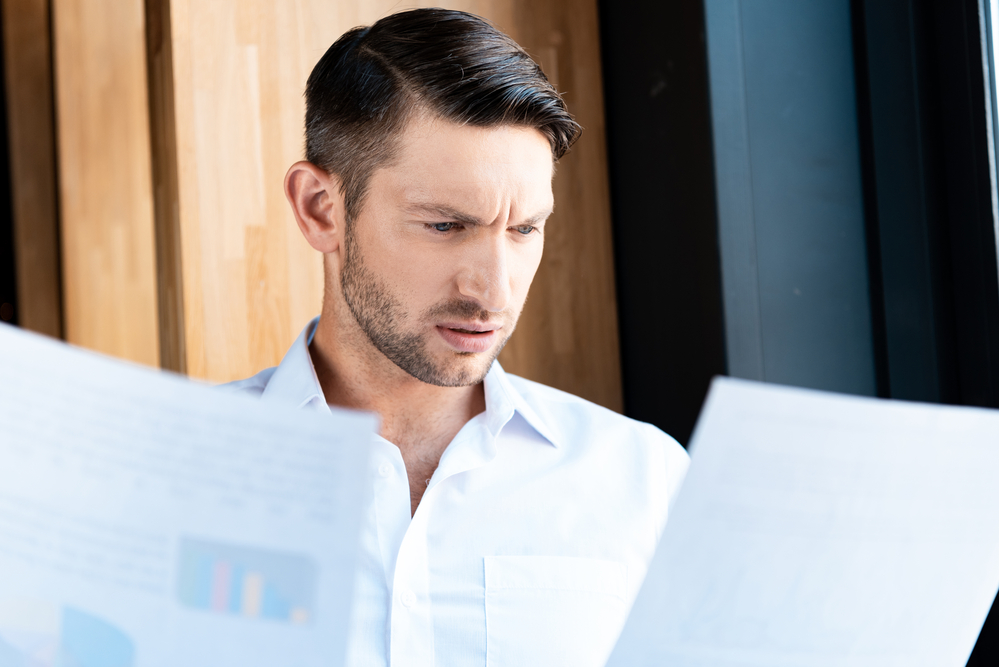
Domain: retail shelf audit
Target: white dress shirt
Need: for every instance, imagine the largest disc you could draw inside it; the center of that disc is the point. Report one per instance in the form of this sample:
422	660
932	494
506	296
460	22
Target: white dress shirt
530	542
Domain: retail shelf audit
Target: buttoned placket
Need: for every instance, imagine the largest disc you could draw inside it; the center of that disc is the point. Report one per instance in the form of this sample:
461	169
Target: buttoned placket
403	540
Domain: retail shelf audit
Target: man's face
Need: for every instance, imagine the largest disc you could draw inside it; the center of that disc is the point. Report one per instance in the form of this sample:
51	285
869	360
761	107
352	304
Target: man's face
437	265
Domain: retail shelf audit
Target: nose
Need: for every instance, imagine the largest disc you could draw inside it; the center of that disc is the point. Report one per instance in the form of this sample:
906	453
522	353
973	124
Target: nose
485	275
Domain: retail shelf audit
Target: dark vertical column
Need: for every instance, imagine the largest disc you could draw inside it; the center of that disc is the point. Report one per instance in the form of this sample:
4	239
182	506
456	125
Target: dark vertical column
958	53
930	184
8	271
913	245
166	186
30	154
662	198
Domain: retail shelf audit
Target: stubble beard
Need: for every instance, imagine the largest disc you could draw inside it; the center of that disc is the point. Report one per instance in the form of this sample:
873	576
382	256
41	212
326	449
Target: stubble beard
380	317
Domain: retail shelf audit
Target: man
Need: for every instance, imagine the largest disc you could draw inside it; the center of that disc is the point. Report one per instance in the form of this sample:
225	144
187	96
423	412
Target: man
508	523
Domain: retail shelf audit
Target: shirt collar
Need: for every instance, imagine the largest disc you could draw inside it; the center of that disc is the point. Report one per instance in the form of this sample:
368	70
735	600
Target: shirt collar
295	382
503	399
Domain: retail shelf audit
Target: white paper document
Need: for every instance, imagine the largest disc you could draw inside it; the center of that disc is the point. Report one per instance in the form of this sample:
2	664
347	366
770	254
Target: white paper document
146	520
821	529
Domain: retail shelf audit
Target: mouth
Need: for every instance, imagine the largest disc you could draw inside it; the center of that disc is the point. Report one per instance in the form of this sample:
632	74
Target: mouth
468	337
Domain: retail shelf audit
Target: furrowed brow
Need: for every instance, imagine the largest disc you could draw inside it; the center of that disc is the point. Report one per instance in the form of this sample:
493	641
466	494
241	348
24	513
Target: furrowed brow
535	219
447	213
444	212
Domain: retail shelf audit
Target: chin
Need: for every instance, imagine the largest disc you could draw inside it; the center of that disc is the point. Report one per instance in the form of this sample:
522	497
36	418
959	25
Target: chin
463	369
463	377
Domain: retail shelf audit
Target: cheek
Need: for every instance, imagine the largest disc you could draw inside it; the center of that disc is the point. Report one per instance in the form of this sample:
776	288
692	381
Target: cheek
415	273
523	267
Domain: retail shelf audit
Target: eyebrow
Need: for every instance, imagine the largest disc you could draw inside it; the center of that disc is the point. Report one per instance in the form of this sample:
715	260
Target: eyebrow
464	218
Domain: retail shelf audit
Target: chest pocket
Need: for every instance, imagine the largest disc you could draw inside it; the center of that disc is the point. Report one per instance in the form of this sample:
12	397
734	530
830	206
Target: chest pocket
551	611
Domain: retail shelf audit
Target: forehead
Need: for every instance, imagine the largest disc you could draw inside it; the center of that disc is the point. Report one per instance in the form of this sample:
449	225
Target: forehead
442	162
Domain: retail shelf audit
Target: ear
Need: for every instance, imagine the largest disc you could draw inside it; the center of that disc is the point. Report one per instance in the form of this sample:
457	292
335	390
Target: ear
317	203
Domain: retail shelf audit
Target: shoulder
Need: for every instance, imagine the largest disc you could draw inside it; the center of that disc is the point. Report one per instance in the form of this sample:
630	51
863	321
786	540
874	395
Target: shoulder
251	386
638	454
579	420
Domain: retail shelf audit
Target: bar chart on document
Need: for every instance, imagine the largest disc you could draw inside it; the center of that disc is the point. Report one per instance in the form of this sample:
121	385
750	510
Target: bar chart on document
252	583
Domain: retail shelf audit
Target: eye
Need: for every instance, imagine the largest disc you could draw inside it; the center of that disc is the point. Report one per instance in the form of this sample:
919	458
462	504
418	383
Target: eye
526	229
443	226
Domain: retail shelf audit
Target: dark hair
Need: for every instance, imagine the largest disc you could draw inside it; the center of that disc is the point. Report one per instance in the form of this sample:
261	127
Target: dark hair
450	64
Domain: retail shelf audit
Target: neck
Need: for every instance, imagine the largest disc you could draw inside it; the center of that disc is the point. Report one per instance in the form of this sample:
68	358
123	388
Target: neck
419	418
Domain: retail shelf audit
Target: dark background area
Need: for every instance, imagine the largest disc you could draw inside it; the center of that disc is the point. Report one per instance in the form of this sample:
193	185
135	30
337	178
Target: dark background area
923	146
922	106
663	208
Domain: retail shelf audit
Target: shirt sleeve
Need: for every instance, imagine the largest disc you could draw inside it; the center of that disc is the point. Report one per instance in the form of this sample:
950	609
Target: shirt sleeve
677	462
668	474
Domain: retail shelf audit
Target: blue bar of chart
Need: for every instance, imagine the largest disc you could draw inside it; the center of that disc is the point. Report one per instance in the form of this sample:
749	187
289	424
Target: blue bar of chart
245	582
40	634
88	641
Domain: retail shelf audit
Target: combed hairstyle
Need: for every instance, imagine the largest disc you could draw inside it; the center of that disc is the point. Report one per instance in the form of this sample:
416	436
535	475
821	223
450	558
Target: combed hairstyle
448	64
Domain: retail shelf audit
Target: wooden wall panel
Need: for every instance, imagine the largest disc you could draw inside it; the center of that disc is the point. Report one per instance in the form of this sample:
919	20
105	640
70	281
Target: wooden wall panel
109	282
251	282
31	137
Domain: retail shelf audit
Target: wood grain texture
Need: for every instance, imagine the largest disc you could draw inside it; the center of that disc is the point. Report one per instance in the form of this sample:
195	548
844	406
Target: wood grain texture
31	137
109	276
251	282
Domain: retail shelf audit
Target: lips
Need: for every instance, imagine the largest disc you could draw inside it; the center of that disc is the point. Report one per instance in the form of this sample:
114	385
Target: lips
468	337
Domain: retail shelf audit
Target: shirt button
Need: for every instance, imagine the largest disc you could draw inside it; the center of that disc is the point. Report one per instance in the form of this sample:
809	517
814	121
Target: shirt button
384	470
408	599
